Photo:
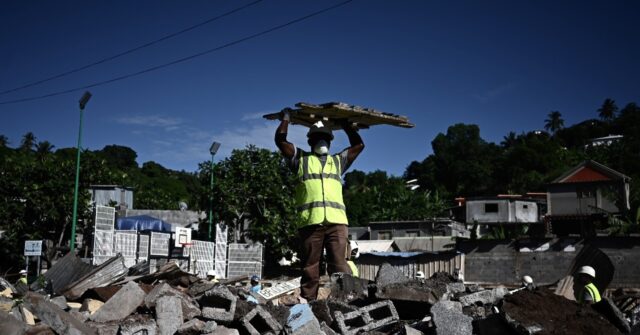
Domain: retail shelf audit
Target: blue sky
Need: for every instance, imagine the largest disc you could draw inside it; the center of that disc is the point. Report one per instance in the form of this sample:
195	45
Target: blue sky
503	65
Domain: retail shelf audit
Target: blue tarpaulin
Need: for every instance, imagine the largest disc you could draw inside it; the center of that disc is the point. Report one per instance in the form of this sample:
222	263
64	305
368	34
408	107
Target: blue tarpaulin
143	222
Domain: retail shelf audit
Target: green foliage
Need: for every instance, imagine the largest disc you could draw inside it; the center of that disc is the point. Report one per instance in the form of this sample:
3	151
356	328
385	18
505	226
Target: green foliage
554	122
254	194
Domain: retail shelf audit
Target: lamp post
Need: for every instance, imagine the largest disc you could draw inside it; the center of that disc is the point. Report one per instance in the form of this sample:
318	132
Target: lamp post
83	102
213	149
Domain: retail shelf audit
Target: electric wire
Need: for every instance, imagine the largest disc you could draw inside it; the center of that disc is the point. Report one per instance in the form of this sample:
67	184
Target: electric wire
132	50
181	60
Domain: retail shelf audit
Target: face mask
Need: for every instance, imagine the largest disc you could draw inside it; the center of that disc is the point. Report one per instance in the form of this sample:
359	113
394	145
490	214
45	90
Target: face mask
321	148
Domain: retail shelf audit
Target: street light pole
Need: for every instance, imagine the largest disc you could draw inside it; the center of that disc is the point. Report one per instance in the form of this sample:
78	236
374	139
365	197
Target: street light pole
213	149
83	102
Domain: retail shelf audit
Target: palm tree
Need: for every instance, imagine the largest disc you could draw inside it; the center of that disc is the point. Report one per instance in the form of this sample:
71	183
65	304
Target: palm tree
28	141
44	147
510	140
608	110
554	122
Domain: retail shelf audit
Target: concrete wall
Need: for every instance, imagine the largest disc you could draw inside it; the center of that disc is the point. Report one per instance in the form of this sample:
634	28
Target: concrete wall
102	196
546	260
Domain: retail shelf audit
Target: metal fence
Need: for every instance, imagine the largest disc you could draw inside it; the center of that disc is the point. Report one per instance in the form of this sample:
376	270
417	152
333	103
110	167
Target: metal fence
410	263
104	234
244	259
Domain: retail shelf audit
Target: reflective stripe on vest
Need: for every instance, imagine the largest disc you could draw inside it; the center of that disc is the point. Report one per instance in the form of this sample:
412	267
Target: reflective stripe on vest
354	269
319	193
593	292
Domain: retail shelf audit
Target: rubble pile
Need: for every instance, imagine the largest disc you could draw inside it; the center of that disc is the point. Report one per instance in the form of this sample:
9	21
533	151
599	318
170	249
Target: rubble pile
171	301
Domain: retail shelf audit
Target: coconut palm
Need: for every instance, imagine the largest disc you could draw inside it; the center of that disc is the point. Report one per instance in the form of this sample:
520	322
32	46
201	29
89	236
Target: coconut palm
28	141
4	141
554	122
608	110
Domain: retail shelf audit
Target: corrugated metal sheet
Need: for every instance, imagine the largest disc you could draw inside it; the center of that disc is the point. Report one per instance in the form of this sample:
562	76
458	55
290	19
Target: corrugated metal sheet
65	271
410	263
103	275
375	245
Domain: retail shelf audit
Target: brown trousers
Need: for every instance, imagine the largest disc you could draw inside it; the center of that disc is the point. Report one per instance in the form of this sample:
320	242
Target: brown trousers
314	239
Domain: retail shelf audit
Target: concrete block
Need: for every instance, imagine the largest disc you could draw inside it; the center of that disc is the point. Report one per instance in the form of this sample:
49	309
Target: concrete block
259	321
6	304
408	330
388	274
346	287
219	304
327	330
192	327
367	318
190	308
91	305
137	325
60	301
407	292
121	304
209	327
301	321
81	316
168	314
448	319
486	297
73	305
27	316
56	318
109	328
40	329
325	309
222	330
10	326
456	288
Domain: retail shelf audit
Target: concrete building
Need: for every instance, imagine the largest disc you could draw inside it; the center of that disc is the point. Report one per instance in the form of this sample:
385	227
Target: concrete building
105	195
389	230
585	196
501	210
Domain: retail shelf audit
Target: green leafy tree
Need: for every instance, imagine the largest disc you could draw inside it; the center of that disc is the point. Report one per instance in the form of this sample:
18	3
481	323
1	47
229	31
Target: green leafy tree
28	142
4	141
254	195
554	122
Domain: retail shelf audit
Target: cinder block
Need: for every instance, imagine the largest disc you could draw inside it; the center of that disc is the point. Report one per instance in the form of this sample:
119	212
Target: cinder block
301	321
138	325
190	308
367	318
259	322
168	314
219	304
192	327
121	304
449	319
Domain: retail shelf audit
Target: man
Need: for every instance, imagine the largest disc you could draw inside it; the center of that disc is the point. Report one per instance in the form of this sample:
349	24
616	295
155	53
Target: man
255	284
589	293
211	277
355	253
319	198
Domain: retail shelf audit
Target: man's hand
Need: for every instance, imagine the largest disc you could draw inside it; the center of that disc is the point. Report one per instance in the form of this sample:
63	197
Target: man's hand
345	124
285	114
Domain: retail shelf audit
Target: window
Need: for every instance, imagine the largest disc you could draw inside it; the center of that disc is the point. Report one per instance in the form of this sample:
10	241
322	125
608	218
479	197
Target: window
412	233
585	193
491	208
525	206
384	235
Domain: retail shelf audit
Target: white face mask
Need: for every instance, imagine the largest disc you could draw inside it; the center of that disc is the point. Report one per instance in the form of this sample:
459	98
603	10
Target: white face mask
321	148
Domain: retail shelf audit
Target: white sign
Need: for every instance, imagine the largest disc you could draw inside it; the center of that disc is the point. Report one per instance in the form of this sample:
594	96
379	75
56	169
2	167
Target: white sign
280	288
183	236
33	248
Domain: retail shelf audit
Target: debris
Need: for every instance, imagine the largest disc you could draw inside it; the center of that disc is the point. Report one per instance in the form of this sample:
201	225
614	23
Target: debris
91	305
259	322
190	308
137	325
449	319
218	304
105	274
168	314
27	316
122	304
607	308
10	326
280	289
301	321
6	304
65	271
387	275
367	318
56	318
486	297
60	301
193	327
346	287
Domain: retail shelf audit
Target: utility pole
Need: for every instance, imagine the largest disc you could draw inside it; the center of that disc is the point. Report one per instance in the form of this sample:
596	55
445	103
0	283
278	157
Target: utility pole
83	102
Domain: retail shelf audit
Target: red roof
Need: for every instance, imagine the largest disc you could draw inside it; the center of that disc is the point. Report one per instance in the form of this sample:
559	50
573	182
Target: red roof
586	174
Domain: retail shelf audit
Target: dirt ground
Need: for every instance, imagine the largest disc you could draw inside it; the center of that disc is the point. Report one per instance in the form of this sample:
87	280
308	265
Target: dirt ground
555	314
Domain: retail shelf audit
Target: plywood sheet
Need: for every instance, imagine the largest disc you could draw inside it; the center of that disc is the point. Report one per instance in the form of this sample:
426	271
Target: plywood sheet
333	113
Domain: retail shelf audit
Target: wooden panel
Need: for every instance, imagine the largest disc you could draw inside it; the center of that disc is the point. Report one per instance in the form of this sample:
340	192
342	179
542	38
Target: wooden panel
333	113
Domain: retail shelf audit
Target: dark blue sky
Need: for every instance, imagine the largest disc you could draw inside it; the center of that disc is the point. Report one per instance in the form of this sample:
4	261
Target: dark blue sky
503	65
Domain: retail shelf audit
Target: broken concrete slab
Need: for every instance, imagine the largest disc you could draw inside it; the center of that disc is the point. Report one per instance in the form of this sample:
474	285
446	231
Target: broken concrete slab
607	308
387	275
408	330
407	292
10	325
325	309
222	330
346	287
486	297
327	330
301	321
27	316
192	327
138	325
456	288
39	329
209	327
367	318
168	314
448	319
109	328
6	304
198	288
259	321
81	316
190	307
122	304
59	320
219	304
60	301
91	305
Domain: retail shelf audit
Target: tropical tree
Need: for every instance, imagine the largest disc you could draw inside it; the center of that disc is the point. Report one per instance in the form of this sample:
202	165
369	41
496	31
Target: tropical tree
554	122
4	141
28	142
608	110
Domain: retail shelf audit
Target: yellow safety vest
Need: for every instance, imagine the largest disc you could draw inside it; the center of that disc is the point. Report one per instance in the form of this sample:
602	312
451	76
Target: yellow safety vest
593	292
319	193
354	269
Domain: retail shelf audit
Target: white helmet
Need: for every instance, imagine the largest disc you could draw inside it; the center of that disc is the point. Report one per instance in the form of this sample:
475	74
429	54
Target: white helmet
211	273
23	272
419	275
355	251
527	280
588	271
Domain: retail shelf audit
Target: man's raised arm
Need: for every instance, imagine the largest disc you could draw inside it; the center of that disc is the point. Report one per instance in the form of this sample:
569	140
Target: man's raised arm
355	141
287	149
